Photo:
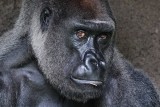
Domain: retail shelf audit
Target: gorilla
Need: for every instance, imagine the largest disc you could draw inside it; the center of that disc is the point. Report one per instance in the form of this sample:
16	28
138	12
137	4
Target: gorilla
62	53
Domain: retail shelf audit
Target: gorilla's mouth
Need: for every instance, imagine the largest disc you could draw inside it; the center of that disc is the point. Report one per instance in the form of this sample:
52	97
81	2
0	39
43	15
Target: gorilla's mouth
87	82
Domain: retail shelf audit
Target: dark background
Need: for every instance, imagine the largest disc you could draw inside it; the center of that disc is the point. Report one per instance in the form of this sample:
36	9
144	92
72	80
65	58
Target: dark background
138	31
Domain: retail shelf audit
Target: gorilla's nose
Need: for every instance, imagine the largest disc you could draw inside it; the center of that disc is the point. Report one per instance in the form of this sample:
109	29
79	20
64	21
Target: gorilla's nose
91	62
91	70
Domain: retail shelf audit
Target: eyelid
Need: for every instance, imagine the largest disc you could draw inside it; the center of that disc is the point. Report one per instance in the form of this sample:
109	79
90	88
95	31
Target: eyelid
107	34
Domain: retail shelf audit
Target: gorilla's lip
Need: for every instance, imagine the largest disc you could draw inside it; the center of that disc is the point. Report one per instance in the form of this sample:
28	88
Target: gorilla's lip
90	82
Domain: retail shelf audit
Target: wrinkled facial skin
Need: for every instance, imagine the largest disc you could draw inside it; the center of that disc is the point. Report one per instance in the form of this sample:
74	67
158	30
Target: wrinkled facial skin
73	42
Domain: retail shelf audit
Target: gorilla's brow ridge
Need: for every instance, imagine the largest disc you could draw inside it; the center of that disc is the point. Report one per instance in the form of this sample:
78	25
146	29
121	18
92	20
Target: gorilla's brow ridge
103	26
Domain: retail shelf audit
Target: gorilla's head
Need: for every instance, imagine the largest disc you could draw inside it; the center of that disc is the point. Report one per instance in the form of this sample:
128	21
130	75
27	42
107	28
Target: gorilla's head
73	43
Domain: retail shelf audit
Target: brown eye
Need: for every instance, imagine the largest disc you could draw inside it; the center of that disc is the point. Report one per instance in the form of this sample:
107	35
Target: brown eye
103	37
81	34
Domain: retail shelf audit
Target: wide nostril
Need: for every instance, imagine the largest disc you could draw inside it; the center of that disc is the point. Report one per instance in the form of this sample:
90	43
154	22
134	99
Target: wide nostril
93	62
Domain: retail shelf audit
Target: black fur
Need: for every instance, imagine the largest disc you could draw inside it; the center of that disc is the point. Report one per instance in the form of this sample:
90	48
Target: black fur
38	56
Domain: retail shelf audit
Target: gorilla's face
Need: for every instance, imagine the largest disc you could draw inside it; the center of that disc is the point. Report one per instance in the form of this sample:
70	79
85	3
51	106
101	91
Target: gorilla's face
72	41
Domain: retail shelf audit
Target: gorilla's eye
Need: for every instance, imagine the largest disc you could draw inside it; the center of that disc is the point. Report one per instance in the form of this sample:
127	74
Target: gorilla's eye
103	38
81	34
45	18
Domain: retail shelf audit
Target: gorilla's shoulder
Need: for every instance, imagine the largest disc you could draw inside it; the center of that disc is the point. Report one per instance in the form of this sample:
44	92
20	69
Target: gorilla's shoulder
140	87
133	84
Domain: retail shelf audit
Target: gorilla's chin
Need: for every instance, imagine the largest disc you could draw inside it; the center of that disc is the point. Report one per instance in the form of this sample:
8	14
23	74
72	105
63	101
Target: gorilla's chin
83	93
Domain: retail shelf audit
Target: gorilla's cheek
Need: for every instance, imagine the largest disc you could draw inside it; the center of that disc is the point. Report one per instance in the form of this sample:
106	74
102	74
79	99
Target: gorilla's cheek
52	55
37	38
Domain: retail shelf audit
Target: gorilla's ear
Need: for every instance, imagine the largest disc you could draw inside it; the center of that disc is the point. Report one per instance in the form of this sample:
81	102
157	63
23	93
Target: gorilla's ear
45	18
